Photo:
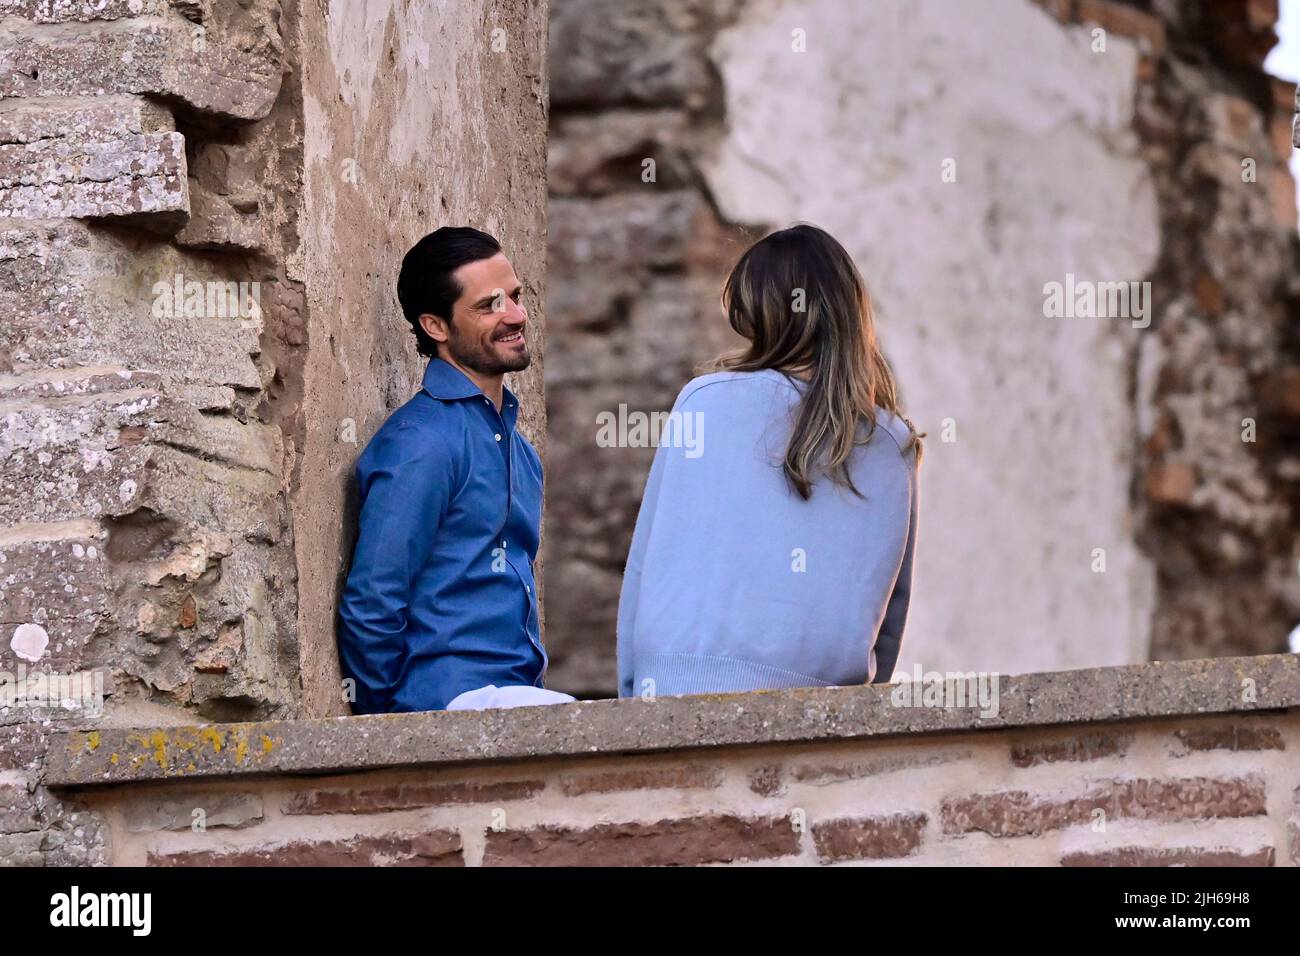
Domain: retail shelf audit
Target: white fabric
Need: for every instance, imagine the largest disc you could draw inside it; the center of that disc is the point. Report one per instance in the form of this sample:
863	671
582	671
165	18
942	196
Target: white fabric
520	695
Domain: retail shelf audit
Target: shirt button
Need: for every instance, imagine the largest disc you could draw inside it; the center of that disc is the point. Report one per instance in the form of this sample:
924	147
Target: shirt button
528	589
498	436
503	544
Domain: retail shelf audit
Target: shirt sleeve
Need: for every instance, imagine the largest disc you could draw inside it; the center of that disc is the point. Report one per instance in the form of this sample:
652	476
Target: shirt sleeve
890	639
405	488
631	591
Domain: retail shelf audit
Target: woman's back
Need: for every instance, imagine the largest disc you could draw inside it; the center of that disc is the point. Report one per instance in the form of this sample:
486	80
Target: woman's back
735	582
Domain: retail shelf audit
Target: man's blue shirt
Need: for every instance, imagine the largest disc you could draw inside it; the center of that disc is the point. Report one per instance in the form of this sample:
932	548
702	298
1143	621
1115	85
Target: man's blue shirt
440	597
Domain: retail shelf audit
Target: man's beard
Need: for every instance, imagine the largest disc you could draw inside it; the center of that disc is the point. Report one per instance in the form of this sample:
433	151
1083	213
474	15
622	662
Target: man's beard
470	353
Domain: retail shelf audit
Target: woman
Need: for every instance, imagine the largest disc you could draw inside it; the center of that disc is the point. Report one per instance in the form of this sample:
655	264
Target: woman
776	550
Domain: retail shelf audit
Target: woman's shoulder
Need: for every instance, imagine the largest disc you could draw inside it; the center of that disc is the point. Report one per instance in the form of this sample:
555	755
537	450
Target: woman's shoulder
727	386
895	426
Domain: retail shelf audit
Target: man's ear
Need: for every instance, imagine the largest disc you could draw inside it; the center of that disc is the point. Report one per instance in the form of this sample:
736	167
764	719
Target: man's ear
435	326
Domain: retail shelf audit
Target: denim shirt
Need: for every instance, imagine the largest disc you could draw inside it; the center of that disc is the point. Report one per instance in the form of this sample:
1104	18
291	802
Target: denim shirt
440	597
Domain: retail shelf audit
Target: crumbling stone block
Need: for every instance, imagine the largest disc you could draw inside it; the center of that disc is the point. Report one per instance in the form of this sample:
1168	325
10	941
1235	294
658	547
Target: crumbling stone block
166	56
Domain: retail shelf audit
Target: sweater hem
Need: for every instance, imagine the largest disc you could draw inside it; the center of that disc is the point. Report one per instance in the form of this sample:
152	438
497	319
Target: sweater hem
678	674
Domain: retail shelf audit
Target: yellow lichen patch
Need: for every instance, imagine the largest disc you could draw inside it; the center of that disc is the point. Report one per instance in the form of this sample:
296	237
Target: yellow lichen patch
92	740
158	741
113	758
267	744
185	738
241	746
190	766
214	737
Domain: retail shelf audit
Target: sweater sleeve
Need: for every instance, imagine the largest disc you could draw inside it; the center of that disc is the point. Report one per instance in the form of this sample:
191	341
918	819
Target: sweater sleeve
890	639
631	591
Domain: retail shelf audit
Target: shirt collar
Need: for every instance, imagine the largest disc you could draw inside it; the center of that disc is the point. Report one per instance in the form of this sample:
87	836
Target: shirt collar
444	381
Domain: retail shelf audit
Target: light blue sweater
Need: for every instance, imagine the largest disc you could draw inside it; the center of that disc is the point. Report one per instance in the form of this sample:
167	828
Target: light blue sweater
734	582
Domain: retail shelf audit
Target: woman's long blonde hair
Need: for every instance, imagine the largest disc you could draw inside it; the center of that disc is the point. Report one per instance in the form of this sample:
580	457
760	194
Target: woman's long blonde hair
802	304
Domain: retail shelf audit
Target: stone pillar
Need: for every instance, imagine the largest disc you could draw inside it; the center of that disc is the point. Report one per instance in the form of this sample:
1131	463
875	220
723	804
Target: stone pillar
203	206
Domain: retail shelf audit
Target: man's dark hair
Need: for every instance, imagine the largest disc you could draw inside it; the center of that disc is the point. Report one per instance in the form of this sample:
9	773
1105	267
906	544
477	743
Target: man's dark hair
425	283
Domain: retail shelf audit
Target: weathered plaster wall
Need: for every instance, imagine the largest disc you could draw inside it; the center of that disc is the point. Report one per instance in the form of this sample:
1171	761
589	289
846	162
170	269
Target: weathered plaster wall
418	116
1048	182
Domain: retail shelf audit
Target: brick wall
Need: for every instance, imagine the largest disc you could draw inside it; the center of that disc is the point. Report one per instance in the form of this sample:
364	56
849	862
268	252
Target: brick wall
1183	764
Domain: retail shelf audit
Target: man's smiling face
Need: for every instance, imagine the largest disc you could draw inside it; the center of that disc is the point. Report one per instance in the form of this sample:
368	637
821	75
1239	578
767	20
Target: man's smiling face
486	333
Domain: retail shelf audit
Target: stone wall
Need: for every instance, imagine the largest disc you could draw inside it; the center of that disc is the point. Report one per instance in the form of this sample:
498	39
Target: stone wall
1179	764
1057	447
203	206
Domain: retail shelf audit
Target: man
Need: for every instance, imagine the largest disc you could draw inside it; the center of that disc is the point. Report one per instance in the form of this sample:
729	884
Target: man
440	606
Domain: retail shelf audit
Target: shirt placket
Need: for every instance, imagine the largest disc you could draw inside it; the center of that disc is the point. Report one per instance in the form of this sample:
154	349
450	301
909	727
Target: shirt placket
504	436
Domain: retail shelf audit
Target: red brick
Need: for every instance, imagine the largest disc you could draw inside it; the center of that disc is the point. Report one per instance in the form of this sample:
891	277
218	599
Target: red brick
407	795
767	781
1234	737
684	842
1171	856
651	778
824	773
869	838
431	848
1020	813
1089	746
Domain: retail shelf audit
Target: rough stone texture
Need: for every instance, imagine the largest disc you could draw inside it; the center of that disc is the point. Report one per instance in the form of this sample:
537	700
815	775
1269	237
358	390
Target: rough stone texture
1228	685
172	216
1064	436
418	116
135	174
164	55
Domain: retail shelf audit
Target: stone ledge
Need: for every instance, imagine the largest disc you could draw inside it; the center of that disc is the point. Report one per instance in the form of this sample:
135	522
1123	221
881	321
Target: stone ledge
211	751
